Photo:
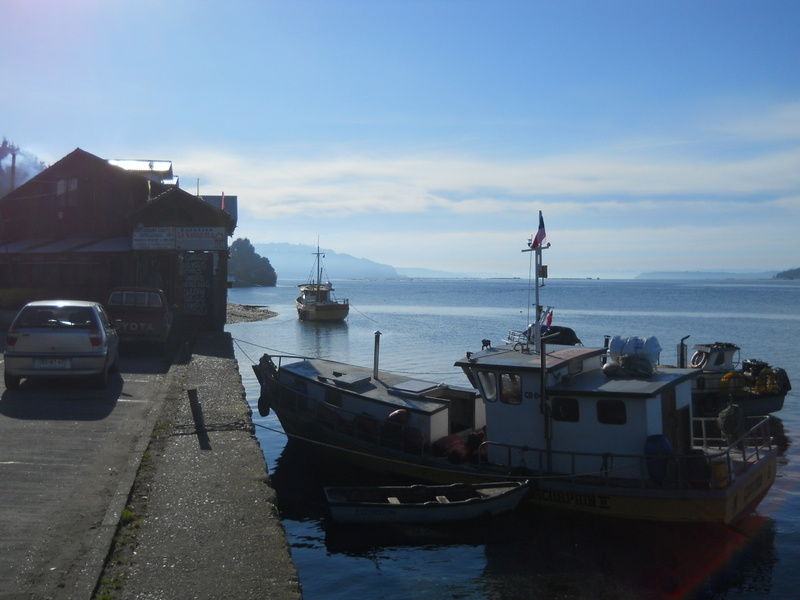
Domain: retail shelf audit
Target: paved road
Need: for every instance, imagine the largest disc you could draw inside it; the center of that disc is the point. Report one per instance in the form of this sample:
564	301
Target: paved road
60	441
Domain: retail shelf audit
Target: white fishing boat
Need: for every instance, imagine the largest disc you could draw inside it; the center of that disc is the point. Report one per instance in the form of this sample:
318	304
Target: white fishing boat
316	301
423	503
754	385
613	442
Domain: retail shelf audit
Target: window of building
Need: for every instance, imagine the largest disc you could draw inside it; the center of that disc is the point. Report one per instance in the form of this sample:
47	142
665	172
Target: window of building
67	193
612	412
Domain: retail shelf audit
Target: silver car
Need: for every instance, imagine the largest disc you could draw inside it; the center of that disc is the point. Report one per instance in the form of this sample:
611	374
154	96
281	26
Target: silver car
61	338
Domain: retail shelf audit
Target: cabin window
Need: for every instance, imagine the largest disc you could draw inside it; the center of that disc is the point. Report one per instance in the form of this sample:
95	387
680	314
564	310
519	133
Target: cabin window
510	388
612	412
575	367
566	409
488	385
333	398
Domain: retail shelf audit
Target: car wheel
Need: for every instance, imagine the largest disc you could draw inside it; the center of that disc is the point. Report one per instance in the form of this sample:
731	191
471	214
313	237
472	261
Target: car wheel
115	365
100	380
12	382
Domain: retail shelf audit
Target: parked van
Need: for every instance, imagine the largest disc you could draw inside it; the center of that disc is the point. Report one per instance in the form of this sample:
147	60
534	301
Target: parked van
142	314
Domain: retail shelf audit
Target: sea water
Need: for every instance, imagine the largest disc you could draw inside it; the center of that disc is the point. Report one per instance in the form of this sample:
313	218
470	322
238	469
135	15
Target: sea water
425	325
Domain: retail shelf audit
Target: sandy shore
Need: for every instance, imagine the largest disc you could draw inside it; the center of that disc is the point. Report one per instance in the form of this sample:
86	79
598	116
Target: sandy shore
243	313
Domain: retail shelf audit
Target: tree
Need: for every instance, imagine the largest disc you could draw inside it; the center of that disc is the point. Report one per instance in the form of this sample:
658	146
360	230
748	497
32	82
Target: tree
790	274
248	268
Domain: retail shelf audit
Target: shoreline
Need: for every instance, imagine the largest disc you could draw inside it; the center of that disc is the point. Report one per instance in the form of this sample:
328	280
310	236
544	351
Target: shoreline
246	313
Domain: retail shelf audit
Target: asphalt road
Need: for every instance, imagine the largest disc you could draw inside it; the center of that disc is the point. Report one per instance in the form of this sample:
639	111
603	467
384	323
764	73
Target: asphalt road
68	456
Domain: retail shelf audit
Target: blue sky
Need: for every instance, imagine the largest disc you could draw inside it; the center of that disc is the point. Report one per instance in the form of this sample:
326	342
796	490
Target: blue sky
652	135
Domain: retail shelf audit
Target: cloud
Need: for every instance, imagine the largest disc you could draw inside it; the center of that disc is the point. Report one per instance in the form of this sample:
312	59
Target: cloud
777	123
368	185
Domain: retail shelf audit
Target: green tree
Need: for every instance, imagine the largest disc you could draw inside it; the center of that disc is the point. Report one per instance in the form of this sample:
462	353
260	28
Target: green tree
248	268
790	274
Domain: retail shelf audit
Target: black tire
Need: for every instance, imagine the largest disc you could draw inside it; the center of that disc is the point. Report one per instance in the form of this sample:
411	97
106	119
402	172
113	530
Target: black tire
100	381
11	382
114	368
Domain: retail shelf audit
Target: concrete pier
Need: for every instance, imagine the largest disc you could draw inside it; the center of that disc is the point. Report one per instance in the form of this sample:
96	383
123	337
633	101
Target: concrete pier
211	529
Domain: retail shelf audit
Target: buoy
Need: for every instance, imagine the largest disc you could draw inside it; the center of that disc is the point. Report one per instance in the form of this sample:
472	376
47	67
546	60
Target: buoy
719	473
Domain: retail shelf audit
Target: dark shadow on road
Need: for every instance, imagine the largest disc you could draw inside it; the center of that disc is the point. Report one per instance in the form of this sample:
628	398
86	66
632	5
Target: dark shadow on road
61	399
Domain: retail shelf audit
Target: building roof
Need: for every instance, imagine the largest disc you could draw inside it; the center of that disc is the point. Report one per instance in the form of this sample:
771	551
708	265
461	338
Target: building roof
155	170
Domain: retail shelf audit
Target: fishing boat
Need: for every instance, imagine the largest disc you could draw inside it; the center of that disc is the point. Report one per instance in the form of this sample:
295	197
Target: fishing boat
616	438
423	503
754	385
316	301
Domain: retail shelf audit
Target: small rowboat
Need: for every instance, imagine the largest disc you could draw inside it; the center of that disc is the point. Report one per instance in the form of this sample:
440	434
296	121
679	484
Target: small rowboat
423	503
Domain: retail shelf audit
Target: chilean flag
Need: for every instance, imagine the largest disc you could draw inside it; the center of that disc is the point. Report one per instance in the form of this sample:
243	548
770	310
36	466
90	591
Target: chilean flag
541	235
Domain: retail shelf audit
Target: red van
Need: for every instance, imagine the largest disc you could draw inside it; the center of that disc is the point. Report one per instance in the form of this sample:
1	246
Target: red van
142	314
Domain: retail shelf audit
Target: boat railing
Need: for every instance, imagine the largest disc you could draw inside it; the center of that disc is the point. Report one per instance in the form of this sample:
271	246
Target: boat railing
713	461
519	337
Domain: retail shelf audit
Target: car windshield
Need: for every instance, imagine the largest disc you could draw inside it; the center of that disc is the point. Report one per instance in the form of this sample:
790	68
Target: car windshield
57	316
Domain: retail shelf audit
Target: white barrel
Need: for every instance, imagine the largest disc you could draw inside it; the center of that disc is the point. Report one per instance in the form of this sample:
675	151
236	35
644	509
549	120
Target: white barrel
635	345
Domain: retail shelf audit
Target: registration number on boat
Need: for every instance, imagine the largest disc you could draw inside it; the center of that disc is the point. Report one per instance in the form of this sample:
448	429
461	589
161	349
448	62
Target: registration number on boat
51	363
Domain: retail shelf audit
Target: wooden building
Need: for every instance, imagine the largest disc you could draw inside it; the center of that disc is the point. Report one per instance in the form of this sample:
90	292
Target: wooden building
84	226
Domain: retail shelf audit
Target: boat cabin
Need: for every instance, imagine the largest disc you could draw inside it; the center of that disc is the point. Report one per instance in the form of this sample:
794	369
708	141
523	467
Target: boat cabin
351	399
312	293
585	413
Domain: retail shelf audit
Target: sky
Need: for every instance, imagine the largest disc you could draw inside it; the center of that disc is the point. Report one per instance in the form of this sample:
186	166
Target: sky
653	136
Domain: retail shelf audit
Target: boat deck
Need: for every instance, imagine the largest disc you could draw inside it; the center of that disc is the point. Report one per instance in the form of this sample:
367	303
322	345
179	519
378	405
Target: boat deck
397	391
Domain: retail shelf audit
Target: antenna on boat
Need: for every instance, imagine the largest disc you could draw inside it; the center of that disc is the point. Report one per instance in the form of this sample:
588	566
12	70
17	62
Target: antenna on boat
376	357
536	244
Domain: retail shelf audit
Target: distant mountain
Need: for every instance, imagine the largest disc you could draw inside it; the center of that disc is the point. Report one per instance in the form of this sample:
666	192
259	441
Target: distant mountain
790	274
707	275
431	274
296	261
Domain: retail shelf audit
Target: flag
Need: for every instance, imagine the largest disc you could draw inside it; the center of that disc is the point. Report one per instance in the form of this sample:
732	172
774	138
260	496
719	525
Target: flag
222	203
541	235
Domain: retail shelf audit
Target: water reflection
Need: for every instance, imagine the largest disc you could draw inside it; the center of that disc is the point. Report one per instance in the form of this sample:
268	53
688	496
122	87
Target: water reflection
531	554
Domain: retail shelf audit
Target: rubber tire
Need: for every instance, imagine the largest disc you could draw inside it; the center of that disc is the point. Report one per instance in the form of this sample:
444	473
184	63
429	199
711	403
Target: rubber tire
11	382
100	381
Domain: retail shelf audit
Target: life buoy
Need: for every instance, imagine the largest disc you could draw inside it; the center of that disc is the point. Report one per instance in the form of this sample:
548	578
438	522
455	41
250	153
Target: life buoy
765	382
732	384
699	359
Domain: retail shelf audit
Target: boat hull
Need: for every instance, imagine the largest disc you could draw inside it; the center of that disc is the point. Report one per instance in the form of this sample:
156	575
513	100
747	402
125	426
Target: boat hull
710	405
323	312
423	504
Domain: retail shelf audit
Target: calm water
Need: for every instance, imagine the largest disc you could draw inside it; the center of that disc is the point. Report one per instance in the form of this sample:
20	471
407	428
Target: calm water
426	325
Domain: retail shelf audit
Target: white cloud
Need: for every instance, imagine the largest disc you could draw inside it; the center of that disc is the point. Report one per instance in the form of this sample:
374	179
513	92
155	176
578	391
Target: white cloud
778	123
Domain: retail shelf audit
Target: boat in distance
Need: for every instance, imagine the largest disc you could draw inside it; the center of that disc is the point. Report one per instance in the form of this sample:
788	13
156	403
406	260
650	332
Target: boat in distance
423	503
590	429
316	301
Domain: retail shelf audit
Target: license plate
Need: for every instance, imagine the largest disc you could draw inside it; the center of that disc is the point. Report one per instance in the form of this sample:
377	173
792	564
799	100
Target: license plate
51	363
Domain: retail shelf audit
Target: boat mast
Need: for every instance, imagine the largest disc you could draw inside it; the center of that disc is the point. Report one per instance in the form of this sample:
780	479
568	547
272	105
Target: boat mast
319	267
536	245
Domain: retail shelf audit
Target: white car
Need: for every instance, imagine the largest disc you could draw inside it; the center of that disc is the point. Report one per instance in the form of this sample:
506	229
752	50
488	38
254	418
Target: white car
61	338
